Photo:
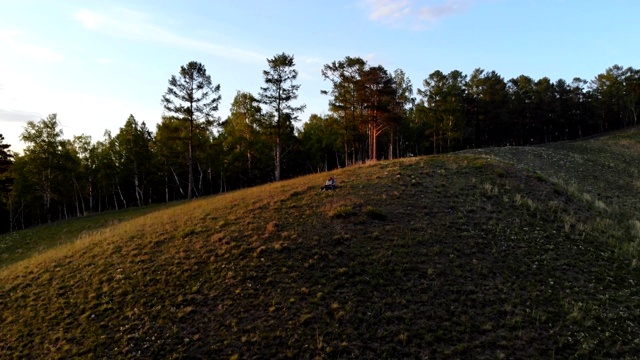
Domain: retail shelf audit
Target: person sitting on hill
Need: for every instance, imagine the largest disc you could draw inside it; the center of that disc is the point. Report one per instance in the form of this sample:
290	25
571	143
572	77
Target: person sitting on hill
330	184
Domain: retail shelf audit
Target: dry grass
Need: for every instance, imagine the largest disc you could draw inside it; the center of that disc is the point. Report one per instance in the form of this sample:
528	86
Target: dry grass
454	256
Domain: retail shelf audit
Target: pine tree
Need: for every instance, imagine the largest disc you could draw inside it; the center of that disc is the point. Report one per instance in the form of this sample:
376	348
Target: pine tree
279	92
192	97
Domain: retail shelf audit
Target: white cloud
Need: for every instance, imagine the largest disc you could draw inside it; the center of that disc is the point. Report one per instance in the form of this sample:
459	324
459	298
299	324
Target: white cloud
19	116
91	20
414	13
10	39
136	26
389	9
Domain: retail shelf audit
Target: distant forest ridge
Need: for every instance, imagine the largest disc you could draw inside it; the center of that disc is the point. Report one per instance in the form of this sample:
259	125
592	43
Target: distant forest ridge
373	114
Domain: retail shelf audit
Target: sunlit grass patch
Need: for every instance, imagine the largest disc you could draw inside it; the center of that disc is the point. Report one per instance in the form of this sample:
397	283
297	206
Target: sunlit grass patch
491	189
522	200
342	212
600	205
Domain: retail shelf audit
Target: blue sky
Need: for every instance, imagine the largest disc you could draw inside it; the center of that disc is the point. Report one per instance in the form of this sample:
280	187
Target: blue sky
95	62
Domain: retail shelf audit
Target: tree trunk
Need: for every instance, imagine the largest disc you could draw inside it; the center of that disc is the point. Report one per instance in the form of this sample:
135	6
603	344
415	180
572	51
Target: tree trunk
223	185
434	142
278	151
178	183
166	187
250	179
124	202
22	213
10	215
84	210
391	144
190	157
90	197
326	166
79	195
353	153
115	200
139	194
346	150
210	173
200	180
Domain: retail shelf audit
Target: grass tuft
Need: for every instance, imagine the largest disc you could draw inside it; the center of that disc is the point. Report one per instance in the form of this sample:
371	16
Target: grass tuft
342	212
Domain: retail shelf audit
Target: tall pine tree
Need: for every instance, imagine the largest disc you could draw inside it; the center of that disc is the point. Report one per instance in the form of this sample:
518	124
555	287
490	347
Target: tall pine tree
279	91
192	97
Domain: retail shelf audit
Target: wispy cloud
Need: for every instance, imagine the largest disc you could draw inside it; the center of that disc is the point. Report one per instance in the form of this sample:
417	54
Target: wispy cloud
389	9
451	7
12	39
19	116
133	25
310	60
414	13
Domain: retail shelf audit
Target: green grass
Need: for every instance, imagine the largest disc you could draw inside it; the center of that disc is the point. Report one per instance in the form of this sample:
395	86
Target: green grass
500	253
25	244
602	173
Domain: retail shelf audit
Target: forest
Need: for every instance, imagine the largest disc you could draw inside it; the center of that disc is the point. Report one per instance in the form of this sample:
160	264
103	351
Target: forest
373	114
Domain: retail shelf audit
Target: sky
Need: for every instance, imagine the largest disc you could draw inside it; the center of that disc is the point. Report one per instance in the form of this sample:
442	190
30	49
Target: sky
94	63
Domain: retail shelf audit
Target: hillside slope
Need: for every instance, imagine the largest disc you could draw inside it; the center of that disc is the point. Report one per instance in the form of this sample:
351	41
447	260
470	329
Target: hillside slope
485	254
603	172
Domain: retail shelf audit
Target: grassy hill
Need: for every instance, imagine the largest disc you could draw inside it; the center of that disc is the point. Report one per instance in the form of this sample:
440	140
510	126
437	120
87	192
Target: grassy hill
497	253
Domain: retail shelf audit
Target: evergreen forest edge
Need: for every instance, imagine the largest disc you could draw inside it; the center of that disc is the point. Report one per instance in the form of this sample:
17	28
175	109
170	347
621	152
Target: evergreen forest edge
373	114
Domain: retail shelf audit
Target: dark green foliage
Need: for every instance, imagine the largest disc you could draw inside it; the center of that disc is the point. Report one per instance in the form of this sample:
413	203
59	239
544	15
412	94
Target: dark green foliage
45	175
320	137
6	160
134	156
244	143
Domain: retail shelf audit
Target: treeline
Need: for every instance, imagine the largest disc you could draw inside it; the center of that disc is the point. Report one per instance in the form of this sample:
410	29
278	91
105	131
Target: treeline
373	114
